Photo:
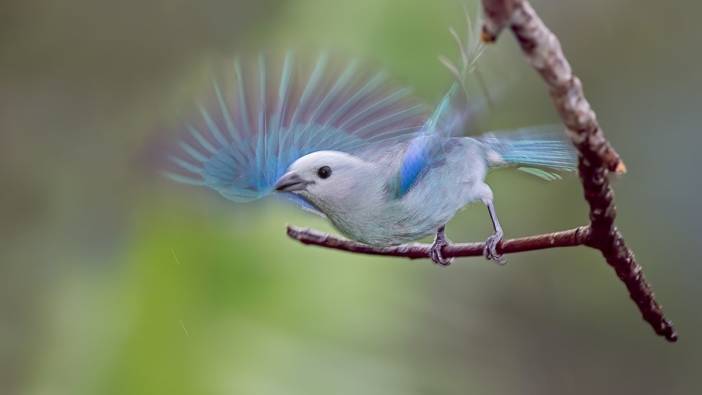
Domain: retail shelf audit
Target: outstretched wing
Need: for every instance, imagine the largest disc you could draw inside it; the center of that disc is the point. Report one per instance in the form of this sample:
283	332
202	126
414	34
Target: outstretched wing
263	117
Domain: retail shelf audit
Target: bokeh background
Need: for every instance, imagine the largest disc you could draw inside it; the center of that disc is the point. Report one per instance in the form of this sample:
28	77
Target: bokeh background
115	281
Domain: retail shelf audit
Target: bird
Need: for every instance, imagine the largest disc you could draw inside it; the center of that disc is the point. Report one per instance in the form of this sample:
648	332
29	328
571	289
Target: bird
346	144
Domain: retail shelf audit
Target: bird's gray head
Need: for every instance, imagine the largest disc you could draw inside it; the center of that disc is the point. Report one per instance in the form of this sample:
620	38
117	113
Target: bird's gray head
331	180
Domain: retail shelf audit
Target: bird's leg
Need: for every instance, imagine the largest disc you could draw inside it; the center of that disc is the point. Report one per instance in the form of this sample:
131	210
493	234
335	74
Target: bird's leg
490	251
436	252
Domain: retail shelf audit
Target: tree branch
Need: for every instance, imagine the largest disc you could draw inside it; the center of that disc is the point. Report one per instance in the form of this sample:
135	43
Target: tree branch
567	238
543	52
596	159
596	156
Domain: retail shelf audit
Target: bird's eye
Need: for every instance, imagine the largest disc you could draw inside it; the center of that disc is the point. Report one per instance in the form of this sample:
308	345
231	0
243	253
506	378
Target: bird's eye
324	172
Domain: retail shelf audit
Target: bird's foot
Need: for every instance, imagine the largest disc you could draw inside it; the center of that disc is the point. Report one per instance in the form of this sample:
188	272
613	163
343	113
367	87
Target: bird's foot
490	251
437	250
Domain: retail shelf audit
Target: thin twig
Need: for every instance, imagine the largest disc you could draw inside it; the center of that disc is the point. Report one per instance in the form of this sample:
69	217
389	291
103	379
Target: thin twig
595	160
567	238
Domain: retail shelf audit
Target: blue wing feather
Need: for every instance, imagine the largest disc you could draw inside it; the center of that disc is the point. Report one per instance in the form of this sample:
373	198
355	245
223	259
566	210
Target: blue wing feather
414	161
261	117
532	149
446	120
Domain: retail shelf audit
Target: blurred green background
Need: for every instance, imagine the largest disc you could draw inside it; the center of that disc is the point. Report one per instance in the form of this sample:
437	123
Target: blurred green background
115	281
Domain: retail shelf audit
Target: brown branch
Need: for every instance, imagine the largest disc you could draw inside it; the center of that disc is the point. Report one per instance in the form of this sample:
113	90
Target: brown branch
567	238
543	51
596	156
595	160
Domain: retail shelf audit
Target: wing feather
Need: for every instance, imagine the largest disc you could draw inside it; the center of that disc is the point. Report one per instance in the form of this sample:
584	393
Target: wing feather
261	116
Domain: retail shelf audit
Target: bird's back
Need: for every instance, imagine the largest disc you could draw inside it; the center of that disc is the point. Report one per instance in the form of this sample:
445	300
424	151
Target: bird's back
452	177
442	190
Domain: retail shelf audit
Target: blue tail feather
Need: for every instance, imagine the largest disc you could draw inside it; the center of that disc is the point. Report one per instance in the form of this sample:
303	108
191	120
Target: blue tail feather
541	147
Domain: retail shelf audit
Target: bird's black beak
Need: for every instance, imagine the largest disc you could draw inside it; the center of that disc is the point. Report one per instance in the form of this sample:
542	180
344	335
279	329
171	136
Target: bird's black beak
291	182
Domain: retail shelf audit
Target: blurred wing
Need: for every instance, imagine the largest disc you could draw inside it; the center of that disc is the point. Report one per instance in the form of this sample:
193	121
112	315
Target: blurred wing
422	154
425	149
260	119
454	115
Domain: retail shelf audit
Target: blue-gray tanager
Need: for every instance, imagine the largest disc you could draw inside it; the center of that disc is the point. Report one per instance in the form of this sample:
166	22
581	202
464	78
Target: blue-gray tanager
343	144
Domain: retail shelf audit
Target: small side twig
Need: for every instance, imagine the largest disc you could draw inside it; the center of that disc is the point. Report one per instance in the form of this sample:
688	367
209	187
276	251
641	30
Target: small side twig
596	159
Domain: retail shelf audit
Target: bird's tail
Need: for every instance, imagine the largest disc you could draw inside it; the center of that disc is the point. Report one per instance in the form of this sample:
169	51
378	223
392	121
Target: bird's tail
531	149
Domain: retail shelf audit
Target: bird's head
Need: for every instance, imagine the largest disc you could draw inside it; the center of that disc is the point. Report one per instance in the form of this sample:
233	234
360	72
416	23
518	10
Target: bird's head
331	180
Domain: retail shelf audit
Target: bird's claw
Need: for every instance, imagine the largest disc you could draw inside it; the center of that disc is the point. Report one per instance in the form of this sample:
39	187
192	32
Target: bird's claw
490	250
436	252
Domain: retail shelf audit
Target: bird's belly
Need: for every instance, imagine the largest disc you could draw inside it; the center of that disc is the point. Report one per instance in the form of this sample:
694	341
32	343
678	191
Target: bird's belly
392	227
430	204
382	235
